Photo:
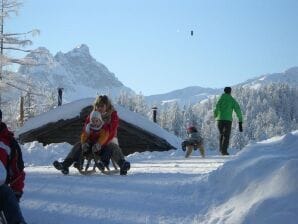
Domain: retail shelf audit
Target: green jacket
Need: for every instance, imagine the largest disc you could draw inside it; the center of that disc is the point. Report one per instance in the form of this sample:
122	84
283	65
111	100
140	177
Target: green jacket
225	107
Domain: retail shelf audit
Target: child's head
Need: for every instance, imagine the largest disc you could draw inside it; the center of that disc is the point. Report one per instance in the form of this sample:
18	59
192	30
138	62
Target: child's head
95	119
192	129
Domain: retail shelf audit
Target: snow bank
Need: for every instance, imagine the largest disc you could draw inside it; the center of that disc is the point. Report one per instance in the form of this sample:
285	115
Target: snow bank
258	186
35	154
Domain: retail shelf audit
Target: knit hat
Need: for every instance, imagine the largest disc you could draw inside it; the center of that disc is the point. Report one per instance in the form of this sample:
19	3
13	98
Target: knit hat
228	90
95	114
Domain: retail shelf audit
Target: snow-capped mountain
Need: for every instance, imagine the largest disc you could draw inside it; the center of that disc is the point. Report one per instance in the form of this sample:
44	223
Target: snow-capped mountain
290	77
195	94
82	76
187	96
76	71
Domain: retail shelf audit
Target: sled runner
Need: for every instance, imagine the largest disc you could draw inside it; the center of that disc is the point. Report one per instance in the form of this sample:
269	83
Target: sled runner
91	160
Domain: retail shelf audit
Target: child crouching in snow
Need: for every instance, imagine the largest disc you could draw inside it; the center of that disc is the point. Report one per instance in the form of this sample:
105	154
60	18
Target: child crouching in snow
193	142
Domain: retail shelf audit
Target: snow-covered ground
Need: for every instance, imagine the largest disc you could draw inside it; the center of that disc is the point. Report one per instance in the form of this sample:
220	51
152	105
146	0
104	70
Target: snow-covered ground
257	185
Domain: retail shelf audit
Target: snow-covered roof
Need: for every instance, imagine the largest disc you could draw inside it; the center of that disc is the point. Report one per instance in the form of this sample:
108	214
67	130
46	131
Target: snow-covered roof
73	109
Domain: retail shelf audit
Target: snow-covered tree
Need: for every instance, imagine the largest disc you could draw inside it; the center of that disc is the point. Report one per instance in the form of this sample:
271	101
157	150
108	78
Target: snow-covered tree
10	41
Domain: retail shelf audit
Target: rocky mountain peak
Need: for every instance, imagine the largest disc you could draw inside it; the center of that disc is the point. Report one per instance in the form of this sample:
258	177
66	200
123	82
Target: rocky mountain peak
76	71
41	55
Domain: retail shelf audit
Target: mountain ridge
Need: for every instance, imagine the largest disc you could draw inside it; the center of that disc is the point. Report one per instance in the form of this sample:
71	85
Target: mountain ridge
76	71
82	76
194	94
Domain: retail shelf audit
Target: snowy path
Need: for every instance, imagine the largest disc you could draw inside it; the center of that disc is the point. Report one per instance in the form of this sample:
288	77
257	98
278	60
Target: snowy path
155	191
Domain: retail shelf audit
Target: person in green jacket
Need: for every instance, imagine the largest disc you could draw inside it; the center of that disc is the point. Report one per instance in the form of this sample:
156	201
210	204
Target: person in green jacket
223	114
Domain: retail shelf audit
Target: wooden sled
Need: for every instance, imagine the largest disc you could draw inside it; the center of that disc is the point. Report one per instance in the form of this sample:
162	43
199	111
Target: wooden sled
88	165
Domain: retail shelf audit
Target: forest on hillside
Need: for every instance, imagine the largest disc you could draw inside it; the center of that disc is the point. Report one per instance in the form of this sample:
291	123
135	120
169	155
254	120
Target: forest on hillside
268	111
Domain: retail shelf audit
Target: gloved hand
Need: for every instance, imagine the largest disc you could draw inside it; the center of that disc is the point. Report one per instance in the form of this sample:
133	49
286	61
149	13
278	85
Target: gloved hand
96	147
85	147
240	127
18	195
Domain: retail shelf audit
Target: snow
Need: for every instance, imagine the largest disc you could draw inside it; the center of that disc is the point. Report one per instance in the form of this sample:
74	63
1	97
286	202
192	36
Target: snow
257	185
255	86
262	78
67	111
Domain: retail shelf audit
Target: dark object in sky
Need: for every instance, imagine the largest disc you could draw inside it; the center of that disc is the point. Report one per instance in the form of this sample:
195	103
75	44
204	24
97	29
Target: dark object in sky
191	32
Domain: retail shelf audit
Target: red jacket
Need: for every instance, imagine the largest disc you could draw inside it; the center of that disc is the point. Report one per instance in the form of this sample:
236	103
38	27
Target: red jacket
11	159
110	128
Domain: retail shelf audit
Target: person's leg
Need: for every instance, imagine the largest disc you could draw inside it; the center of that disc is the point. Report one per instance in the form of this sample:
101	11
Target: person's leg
73	156
227	126
118	157
10	206
202	150
220	127
189	149
105	155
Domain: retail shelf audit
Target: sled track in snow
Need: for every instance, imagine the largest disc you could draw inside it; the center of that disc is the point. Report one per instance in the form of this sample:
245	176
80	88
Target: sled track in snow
164	185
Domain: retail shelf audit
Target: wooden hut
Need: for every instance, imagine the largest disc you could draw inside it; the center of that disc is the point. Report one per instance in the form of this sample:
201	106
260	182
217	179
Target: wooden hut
131	138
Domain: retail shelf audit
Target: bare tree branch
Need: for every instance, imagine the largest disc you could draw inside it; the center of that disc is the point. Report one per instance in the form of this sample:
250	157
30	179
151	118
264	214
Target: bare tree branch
22	89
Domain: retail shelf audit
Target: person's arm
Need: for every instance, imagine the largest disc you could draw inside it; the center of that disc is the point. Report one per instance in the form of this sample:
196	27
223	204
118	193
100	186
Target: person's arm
111	127
4	150
217	106
17	177
237	110
103	137
84	137
3	161
87	121
85	133
215	111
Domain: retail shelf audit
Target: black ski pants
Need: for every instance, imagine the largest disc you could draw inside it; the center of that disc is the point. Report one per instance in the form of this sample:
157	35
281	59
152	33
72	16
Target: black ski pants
106	153
224	128
10	206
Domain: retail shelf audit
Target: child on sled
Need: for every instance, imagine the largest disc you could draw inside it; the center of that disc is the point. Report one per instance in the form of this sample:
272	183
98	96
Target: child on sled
92	138
194	142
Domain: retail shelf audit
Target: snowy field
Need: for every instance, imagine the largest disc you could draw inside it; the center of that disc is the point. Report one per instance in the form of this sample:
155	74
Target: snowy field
257	185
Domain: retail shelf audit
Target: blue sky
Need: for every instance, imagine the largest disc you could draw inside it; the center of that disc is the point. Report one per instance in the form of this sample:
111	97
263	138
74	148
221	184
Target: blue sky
147	44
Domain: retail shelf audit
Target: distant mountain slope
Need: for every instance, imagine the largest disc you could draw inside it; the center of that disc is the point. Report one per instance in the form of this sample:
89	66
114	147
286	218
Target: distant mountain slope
195	94
188	95
290	77
76	71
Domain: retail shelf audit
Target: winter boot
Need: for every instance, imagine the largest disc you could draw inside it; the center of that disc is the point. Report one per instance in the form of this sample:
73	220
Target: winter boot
61	167
124	168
